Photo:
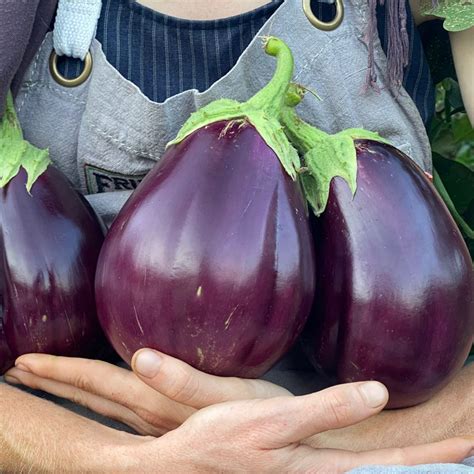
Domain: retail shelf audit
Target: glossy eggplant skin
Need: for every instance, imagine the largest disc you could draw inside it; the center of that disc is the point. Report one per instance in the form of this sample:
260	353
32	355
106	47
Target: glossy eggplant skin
50	243
6	357
211	260
395	282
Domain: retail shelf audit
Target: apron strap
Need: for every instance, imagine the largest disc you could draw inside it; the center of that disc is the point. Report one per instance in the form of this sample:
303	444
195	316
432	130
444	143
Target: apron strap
75	27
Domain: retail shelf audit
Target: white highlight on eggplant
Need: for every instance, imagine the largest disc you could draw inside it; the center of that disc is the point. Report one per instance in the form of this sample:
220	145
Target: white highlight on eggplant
200	355
227	321
138	321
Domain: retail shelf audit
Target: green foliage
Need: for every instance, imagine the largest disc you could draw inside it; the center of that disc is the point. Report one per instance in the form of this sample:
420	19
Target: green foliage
452	141
16	152
458	14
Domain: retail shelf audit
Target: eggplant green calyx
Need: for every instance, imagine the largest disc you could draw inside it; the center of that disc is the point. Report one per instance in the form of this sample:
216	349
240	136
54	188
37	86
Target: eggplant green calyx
325	156
16	152
262	110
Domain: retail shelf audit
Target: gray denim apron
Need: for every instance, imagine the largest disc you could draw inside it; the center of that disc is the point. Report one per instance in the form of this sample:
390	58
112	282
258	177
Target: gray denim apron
105	135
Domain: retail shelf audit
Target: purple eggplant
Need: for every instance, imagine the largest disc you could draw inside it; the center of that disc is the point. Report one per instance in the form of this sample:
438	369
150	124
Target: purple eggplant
395	294
49	247
7	359
212	260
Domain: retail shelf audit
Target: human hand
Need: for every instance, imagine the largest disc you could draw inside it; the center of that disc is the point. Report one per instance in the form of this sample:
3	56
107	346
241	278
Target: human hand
449	413
265	435
251	435
120	394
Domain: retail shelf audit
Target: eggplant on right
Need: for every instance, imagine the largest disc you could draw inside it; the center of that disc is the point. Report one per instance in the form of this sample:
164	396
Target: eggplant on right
395	293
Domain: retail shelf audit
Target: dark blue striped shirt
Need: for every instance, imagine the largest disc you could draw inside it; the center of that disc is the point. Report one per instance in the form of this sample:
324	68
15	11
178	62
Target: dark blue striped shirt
163	55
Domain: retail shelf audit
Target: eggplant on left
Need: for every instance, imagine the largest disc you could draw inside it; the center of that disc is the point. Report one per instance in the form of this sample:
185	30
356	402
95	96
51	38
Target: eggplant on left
49	245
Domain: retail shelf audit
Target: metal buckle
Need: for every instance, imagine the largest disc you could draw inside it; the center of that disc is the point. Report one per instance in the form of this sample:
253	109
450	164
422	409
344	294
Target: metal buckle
323	25
77	81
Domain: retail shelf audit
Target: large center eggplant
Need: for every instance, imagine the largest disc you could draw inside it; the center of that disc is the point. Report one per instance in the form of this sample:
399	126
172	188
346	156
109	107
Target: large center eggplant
212	257
211	260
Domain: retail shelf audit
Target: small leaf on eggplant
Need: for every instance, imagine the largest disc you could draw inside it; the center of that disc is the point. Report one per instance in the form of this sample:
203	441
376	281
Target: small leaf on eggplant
331	156
17	152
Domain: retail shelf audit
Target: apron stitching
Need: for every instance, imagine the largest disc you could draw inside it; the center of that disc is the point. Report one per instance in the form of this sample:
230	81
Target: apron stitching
122	145
75	5
38	84
33	71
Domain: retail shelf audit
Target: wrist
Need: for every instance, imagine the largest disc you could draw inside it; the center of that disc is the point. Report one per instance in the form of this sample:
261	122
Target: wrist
148	454
112	459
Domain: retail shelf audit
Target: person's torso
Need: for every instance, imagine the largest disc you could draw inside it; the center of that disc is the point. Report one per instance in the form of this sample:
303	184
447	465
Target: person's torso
164	55
106	133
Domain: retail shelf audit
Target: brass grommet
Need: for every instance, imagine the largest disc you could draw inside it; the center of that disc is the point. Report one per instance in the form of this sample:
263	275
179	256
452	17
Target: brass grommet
77	81
323	25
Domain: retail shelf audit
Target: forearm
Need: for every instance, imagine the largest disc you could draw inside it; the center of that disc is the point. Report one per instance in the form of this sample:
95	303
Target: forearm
39	436
463	52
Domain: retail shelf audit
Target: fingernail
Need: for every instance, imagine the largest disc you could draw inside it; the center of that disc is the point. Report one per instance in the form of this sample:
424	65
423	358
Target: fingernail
374	394
11	380
147	363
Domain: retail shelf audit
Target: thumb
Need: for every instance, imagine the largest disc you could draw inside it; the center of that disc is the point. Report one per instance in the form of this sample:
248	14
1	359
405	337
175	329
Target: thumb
184	384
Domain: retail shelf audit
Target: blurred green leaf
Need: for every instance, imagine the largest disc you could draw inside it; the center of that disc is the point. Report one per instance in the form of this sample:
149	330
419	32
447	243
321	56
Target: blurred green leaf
451	134
465	155
453	93
458	180
442	139
462	129
469	214
458	14
452	142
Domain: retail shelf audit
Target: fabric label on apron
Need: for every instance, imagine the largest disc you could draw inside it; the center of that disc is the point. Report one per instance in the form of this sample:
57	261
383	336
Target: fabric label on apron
99	180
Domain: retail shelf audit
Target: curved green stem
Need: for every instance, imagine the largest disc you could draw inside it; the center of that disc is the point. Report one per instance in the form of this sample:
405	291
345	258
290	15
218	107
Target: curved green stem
302	135
325	156
262	110
272	96
463	225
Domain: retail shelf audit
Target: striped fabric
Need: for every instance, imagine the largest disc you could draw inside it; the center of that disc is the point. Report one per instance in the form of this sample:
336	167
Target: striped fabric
163	55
